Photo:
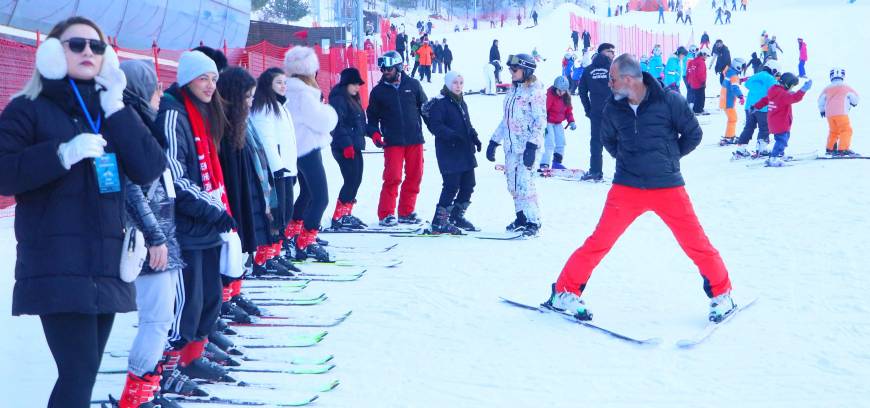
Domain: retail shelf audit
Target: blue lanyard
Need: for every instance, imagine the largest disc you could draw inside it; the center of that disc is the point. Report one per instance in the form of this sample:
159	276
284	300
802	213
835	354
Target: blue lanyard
94	126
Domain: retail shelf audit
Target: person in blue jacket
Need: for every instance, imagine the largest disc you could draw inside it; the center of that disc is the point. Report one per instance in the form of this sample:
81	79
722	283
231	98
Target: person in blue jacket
576	74
674	69
644	63
656	66
758	85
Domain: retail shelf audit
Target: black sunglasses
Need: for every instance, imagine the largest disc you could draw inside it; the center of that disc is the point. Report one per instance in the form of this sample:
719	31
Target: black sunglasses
386	69
77	45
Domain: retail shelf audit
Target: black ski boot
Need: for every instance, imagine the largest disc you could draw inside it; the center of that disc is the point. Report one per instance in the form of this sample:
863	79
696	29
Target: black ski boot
594	177
409	219
231	311
518	223
173	381
314	251
247	305
441	222
224	328
215	354
224	343
271	267
205	369
457	217
287	263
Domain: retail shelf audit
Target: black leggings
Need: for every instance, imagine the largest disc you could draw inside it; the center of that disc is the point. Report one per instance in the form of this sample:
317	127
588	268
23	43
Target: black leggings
281	216
202	296
314	195
351	172
77	342
457	188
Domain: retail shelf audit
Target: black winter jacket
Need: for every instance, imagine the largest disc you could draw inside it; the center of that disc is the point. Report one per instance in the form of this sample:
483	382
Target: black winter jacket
396	112
245	194
455	137
195	211
448	54
351	127
494	55
724	58
648	146
594	87
69	235
587	39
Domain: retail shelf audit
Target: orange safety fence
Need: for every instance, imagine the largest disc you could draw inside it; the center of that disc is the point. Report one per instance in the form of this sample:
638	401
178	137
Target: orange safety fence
17	59
630	39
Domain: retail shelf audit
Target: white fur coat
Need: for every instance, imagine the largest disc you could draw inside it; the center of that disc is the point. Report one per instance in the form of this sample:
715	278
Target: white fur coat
312	119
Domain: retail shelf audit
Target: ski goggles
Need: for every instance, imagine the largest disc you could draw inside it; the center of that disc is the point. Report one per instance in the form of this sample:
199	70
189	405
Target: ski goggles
388	62
77	45
514	61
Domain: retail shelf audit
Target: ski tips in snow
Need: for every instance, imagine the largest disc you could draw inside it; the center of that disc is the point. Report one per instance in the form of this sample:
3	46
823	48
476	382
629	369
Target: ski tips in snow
711	327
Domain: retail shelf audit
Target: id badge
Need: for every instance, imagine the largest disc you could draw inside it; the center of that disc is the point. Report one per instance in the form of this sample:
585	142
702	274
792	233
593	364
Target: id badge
108	177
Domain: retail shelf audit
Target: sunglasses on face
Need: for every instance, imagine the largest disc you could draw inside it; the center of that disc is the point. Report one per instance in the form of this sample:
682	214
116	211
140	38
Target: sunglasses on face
387	69
77	45
515	69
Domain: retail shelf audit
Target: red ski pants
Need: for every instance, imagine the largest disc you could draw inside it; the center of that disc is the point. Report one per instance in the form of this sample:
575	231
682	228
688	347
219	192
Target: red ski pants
395	159
624	204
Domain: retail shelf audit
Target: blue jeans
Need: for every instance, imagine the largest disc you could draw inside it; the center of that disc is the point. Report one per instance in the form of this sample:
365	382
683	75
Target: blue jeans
554	142
780	145
801	69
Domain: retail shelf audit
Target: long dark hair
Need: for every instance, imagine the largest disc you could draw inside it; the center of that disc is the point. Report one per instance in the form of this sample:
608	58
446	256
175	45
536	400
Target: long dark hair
265	97
234	84
566	97
213	113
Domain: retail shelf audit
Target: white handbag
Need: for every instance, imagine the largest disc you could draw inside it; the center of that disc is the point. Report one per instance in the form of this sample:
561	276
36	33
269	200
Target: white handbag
232	265
133	250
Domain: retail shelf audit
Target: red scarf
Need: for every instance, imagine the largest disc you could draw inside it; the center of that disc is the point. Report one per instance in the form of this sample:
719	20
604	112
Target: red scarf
206	153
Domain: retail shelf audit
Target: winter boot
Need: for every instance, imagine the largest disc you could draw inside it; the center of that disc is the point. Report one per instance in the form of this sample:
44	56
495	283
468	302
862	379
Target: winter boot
457	216
441	222
215	354
354	218
388	221
557	162
774	162
518	223
271	267
231	311
173	381
725	141
721	306
568	303
139	391
531	229
594	177
246	304
287	263
740	153
225	344
409	219
307	247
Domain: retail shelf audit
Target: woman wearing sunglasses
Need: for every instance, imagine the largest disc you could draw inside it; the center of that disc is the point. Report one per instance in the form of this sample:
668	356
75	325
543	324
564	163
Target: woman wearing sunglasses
522	133
67	146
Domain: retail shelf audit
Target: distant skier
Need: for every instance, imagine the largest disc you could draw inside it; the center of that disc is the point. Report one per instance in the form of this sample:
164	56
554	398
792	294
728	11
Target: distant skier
647	178
656	66
495	55
778	101
773	48
661	14
521	131
696	73
705	40
755	63
535	16
728	97
758	86
674	69
575	37
558	110
687	17
718	16
802	49
587	40
834	103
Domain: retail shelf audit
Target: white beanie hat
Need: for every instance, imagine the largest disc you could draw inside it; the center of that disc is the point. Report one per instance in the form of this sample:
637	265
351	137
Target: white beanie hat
301	61
450	77
193	64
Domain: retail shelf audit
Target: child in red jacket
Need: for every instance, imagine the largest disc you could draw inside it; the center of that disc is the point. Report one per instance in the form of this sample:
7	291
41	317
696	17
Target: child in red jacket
779	117
558	110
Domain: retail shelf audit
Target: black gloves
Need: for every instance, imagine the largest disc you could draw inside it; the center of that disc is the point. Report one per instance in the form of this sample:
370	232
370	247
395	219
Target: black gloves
475	139
529	154
823	113
280	174
490	151
225	223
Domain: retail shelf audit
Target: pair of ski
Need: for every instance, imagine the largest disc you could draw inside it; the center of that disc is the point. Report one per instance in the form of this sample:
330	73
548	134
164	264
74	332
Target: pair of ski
687	343
291	301
500	236
296	361
284	321
319	277
787	160
374	229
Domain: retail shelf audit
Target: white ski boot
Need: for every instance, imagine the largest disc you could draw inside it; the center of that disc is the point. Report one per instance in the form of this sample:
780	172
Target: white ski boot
567	303
721	306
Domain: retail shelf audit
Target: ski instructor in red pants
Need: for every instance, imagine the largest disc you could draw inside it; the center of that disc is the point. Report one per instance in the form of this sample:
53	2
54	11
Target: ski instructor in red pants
394	123
647	130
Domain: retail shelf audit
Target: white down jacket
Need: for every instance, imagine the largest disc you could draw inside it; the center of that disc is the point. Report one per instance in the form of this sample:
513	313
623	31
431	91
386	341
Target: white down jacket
278	136
312	119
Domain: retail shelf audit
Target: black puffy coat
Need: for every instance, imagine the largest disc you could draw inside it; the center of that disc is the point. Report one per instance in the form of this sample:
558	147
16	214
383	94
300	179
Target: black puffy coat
494	55
648	145
396	112
723	59
351	127
196	213
245	193
448	55
594	86
455	137
69	235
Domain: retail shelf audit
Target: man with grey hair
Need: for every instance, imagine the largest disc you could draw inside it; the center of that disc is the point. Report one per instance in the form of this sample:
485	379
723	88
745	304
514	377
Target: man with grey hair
647	130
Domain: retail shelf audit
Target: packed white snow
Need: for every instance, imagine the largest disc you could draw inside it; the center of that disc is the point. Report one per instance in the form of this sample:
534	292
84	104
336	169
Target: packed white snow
432	332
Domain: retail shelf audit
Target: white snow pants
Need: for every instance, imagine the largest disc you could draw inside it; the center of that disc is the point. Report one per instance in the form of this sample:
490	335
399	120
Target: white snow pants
489	74
155	300
521	185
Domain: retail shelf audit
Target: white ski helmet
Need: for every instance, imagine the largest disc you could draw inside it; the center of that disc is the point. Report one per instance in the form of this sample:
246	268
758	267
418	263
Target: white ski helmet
838	73
693	49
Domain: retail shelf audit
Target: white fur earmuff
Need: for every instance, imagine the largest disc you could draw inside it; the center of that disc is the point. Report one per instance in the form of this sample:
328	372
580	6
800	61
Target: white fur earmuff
50	60
301	61
110	61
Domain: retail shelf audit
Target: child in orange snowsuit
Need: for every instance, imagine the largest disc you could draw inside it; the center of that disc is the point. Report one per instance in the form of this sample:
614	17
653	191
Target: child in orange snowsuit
834	103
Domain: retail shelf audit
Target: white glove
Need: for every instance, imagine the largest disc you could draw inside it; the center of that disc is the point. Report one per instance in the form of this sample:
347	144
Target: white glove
83	146
113	80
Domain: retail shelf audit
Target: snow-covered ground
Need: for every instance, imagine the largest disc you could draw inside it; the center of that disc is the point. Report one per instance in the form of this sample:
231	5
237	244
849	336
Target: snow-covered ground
432	333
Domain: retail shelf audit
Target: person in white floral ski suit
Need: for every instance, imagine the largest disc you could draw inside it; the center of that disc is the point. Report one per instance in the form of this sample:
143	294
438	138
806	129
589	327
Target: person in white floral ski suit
522	133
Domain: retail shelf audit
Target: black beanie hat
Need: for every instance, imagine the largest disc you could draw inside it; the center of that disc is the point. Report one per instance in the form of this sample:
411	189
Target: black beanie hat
350	76
605	46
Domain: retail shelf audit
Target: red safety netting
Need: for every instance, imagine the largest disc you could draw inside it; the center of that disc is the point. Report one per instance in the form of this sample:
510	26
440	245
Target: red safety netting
16	63
630	39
